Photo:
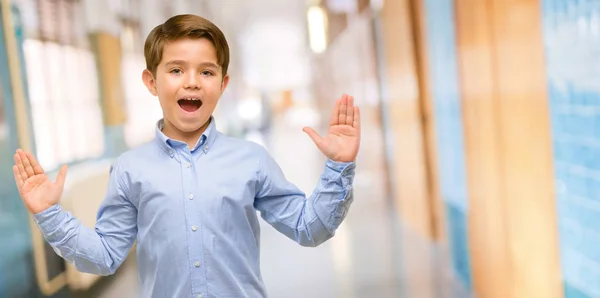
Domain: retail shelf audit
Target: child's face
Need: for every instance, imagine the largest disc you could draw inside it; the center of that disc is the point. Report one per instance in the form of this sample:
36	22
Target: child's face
188	83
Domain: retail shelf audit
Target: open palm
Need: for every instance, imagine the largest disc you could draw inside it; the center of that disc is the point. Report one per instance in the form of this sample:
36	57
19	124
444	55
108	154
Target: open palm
36	190
343	137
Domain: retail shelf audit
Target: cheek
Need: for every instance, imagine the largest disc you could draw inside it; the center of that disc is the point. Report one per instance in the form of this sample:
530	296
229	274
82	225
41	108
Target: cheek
214	86
167	87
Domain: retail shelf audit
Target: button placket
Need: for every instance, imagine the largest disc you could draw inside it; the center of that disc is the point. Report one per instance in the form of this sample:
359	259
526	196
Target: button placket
193	222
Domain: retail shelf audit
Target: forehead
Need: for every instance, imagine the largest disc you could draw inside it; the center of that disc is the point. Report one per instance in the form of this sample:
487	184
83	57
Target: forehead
192	50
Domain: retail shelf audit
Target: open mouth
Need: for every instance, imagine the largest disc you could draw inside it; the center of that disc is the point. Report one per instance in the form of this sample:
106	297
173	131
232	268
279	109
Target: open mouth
190	104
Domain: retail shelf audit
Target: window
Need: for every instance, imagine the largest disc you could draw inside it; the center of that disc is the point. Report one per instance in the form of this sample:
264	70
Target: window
143	109
63	90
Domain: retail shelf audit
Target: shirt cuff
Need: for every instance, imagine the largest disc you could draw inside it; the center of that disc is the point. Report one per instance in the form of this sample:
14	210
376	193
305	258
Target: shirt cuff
336	169
48	219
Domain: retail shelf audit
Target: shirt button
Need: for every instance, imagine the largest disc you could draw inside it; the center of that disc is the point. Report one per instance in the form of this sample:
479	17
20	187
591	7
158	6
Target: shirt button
197	264
191	196
206	147
194	228
199	296
187	165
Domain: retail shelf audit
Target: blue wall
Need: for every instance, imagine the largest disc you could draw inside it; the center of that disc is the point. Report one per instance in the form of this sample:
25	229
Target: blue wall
443	72
572	48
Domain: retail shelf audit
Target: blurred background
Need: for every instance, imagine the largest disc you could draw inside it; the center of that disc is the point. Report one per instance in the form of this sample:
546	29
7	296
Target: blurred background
477	176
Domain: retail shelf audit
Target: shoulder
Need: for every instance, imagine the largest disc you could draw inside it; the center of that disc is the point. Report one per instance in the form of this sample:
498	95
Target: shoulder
135	157
132	167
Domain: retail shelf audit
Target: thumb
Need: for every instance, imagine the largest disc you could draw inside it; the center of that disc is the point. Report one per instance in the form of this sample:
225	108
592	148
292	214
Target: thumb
62	175
314	136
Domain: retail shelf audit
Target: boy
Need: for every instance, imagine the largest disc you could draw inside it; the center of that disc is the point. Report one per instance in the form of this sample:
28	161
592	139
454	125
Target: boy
190	196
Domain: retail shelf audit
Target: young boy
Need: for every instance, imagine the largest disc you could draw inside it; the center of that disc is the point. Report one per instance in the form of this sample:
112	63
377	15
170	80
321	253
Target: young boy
190	197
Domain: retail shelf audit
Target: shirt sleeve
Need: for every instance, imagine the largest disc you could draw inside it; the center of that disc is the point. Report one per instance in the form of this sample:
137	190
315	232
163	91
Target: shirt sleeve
101	250
308	221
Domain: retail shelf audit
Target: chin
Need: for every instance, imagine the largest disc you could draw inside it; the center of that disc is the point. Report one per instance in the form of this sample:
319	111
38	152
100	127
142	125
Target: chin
191	126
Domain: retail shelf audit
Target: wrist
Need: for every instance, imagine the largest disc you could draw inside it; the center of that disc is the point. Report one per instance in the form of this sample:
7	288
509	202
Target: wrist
48	219
340	166
37	210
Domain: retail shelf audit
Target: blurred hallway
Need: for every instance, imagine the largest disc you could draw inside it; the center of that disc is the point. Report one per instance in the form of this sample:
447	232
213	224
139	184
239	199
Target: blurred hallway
477	174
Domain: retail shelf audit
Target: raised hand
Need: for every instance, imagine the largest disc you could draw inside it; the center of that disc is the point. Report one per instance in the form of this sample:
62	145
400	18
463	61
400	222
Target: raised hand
343	138
36	190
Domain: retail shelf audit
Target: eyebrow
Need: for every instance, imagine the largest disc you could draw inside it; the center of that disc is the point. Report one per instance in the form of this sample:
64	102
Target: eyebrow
181	62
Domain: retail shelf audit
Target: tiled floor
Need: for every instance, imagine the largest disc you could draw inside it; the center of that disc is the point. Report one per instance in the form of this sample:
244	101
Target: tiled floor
370	256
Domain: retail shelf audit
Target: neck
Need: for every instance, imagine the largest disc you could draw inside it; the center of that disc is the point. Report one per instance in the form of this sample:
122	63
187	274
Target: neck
190	138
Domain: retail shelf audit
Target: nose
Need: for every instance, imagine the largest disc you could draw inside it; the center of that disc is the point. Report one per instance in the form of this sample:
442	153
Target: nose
192	81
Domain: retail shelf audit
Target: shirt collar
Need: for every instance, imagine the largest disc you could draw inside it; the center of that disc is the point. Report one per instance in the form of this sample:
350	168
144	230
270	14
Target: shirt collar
205	141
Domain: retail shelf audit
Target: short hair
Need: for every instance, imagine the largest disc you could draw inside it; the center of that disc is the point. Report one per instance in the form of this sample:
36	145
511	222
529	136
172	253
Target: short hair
184	26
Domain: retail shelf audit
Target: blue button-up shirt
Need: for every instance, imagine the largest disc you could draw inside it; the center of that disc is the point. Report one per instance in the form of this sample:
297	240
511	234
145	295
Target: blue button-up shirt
193	213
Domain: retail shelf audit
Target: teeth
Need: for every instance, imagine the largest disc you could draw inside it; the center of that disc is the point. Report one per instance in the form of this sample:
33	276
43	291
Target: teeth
191	98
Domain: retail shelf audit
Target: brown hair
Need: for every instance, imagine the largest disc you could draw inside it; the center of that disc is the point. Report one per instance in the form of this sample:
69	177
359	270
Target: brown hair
184	26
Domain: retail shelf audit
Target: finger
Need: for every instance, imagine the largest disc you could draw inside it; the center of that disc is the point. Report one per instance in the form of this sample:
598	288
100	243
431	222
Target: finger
19	164
343	107
335	113
18	178
26	164
61	177
37	168
356	123
314	136
350	111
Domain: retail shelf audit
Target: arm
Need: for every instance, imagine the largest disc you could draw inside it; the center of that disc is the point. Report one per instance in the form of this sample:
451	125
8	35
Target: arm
99	251
308	221
312	221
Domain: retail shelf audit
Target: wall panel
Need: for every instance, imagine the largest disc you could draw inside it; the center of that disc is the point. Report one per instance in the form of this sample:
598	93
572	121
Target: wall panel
442	82
486	222
411	187
428	121
526	148
513	224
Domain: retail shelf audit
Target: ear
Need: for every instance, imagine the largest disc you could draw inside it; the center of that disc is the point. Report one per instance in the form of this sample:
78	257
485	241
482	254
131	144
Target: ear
224	83
149	81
